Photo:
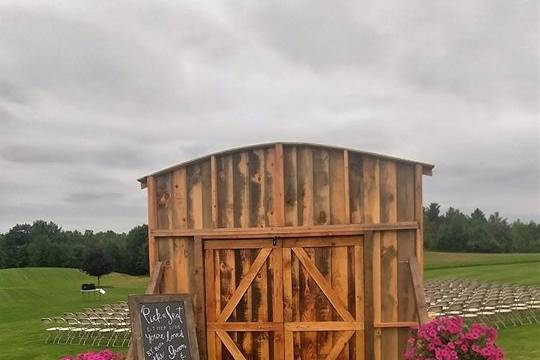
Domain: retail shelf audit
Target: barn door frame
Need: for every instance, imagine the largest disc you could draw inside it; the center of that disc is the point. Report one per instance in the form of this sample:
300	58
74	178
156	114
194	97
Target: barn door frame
217	324
349	325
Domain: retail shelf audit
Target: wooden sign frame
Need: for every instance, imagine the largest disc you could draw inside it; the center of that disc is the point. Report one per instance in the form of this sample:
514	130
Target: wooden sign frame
135	302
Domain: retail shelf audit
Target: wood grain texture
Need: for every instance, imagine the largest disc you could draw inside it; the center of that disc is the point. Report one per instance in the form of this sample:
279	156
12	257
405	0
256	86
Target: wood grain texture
257	189
291	183
198	294
278	191
389	288
152	222
240	190
339	195
305	187
419	216
321	187
178	205
356	189
369	331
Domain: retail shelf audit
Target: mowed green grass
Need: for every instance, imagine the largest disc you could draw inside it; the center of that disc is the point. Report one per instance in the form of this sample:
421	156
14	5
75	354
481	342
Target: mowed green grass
28	294
518	343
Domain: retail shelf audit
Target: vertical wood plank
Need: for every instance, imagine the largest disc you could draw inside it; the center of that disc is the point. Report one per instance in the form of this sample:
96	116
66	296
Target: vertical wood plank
372	209
179	199
377	293
195	197
276	262
323	261
218	296
308	310
269	165
240	190
152	222
211	308
214	193
206	197
305	186
246	304
356	189
287	285
368	296
321	187
340	283
181	266
406	249
198	294
291	182
278	186
371	183
389	287
260	311
339	199
165	248
257	188
419	215
359	298
296	304
228	279
163	195
288	301
289	345
225	192
346	189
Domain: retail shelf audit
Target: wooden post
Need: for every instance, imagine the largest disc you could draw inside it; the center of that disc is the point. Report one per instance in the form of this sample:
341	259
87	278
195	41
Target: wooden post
418	287
152	288
152	222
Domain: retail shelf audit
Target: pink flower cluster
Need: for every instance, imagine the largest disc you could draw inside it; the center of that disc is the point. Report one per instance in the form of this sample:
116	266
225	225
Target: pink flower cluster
100	355
448	338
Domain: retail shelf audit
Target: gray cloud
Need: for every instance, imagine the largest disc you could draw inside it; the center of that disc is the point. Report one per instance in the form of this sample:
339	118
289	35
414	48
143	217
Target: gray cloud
92	97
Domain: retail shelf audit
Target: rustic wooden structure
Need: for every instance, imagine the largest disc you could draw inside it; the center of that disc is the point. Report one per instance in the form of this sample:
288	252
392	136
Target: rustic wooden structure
293	250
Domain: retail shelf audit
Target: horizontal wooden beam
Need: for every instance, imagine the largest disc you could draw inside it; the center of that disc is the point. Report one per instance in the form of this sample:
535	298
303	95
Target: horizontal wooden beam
324	326
396	324
244	326
287	231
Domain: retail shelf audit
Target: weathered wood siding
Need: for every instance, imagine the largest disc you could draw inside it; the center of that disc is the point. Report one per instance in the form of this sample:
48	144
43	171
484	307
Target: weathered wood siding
320	187
293	187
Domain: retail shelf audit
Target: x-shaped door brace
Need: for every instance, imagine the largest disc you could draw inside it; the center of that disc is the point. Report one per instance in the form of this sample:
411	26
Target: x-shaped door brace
319	279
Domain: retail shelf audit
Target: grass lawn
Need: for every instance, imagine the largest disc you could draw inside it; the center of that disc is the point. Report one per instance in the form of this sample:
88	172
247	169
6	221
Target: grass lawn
27	295
507	268
518	343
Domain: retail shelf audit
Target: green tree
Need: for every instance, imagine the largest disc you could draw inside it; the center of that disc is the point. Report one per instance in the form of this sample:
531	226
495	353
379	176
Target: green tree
452	234
14	246
97	262
432	222
137	250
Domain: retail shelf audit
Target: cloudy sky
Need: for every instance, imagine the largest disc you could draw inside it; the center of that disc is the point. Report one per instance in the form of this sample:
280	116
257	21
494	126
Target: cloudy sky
94	95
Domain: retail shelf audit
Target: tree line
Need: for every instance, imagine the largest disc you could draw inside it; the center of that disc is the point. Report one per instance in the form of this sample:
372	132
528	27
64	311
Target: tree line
459	232
45	244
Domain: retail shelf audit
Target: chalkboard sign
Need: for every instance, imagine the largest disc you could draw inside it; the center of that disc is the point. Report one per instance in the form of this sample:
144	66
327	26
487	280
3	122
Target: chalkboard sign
163	327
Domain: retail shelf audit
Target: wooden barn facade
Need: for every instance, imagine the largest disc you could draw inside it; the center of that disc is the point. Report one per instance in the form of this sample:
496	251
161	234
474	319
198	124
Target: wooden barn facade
292	250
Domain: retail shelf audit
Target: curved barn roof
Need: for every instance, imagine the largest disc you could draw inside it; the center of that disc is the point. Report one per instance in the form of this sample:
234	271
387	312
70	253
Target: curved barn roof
427	168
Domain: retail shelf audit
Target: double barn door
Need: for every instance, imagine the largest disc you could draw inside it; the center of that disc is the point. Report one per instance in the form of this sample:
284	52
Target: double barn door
285	298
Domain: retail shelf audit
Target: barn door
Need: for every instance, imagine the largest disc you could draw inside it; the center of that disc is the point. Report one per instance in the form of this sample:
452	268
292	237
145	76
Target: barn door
293	298
323	298
244	301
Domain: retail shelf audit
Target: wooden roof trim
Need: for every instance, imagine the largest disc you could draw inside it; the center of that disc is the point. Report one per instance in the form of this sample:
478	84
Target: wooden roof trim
427	168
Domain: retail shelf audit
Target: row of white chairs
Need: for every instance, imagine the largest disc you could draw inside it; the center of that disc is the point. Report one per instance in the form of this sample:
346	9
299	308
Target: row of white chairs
500	305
